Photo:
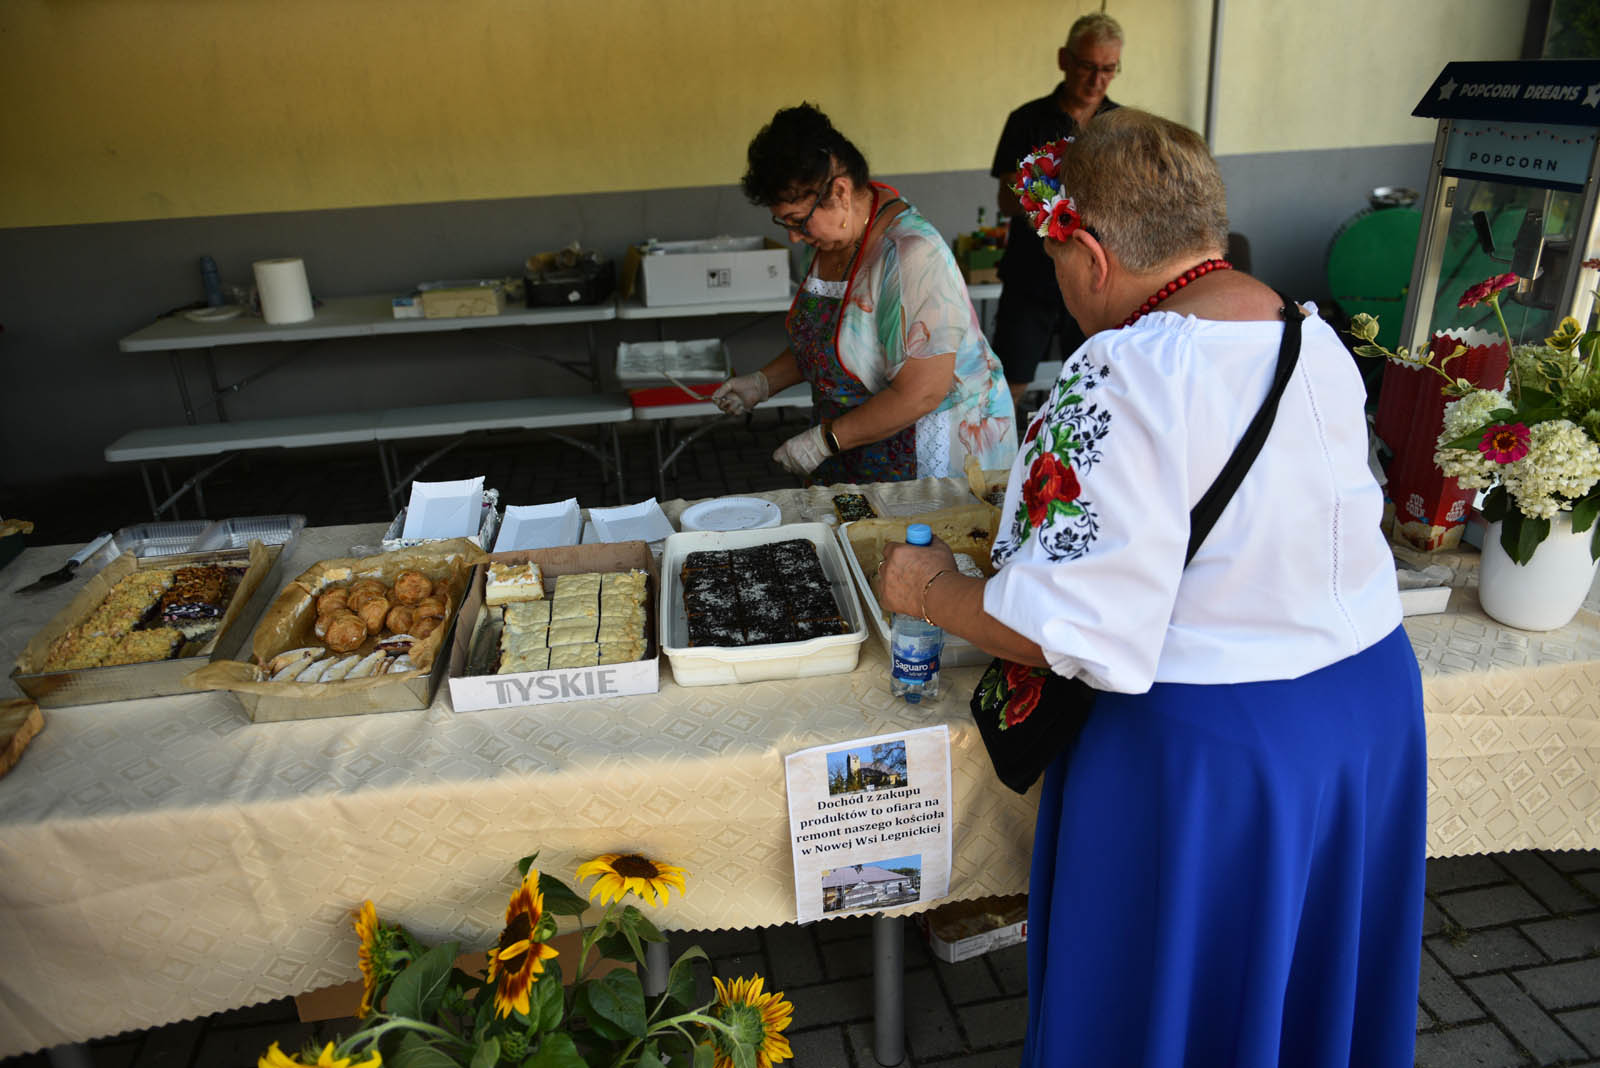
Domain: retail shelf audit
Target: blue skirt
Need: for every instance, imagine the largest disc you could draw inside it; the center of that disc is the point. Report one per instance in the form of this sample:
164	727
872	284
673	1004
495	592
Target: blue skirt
1232	875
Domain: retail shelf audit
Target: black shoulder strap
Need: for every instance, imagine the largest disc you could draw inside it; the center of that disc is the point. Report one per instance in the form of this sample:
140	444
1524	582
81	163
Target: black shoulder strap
1209	508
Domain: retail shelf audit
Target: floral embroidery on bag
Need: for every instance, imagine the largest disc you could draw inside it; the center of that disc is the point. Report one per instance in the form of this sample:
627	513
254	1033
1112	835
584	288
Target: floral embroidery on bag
1063	441
1010	691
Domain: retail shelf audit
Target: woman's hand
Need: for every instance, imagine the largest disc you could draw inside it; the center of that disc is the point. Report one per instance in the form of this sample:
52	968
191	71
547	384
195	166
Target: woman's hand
906	570
802	453
741	393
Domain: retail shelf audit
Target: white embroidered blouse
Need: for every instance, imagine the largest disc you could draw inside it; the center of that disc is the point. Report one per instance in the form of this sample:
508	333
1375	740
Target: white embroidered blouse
1296	574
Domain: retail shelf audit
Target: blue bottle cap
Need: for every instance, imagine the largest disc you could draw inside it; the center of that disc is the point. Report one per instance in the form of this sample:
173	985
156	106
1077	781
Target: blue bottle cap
919	534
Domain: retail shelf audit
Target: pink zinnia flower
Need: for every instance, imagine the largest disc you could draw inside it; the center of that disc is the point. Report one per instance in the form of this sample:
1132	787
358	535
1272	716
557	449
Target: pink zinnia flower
1506	443
1486	289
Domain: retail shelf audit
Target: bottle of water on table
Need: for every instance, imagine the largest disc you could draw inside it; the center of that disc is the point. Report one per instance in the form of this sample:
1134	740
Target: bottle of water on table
914	646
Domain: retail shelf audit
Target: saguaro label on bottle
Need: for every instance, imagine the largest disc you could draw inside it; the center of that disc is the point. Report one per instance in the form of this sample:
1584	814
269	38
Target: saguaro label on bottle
912	668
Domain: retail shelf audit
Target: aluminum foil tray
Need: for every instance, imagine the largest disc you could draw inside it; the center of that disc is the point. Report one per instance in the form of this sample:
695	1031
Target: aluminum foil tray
483	539
658	363
160	539
238	533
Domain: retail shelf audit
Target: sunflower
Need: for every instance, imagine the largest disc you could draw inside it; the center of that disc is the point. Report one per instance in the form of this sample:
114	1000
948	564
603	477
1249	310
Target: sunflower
756	1019
367	930
518	959
276	1058
622	872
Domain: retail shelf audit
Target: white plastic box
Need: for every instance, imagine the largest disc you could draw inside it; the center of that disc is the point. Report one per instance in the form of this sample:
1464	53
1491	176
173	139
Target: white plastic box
710	271
717	665
957	651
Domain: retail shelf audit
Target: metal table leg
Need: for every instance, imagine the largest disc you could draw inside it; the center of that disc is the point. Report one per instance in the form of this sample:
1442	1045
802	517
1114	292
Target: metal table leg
888	989
657	964
183	386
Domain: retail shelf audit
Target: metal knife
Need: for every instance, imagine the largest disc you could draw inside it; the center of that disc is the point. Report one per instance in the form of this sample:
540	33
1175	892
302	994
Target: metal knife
66	570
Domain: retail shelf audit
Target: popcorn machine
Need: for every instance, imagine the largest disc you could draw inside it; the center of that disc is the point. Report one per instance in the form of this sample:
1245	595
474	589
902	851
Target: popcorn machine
1511	190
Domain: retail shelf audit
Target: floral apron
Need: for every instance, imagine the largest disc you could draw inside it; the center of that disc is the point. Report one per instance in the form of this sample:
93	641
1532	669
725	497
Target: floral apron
813	326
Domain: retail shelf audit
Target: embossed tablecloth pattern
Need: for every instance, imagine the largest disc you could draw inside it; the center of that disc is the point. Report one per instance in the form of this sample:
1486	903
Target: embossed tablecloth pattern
166	858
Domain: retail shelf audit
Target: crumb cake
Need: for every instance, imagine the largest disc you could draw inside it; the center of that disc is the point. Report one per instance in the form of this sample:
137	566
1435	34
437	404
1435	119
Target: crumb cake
589	619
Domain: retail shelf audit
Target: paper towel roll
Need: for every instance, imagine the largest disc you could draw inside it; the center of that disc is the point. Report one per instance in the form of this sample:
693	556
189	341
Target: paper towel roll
285	293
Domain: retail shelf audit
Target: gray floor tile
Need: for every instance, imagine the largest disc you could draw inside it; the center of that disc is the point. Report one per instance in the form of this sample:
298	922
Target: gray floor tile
1493	950
1534	1029
1585	1024
1554	888
994	1023
792	951
861	1041
1568	937
1489	906
1563	986
1441	995
1475	1046
821	1048
968	980
1456	873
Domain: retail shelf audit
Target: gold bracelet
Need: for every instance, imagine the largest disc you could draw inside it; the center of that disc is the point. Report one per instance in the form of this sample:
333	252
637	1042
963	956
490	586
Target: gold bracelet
925	586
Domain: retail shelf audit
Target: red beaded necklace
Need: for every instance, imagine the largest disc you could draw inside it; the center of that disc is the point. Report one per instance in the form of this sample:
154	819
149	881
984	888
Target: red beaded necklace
1197	271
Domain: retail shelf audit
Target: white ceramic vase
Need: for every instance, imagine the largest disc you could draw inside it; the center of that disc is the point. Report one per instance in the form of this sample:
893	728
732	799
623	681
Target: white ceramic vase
1547	591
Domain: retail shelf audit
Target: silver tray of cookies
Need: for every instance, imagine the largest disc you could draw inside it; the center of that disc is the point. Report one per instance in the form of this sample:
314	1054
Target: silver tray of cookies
141	624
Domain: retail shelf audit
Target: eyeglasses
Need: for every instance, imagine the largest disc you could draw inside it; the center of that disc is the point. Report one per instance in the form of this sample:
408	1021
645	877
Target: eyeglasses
1109	70
800	227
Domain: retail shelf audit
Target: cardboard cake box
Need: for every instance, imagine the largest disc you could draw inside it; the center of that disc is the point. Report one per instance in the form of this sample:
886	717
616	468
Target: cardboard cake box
961	930
711	271
156	678
288	624
476	639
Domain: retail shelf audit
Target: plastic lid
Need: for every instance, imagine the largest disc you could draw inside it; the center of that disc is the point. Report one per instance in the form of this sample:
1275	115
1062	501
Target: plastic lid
919	534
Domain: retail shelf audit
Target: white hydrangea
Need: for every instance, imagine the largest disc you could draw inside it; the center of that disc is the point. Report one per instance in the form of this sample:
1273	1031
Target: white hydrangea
1468	466
1563	463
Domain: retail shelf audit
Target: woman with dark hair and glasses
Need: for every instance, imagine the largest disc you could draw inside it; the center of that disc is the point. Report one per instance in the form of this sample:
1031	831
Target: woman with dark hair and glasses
903	381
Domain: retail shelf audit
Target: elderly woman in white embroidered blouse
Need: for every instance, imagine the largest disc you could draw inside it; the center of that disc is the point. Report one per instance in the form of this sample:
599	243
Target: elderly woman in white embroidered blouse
904	384
1228	865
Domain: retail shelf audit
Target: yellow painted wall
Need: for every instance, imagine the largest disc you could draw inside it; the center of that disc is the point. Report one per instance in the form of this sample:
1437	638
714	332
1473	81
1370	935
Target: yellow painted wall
148	109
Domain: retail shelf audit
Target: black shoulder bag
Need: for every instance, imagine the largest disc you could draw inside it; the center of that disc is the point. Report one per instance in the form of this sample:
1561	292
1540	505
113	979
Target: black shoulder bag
1027	715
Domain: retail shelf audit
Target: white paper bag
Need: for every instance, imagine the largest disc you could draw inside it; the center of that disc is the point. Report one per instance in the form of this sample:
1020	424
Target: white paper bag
444	509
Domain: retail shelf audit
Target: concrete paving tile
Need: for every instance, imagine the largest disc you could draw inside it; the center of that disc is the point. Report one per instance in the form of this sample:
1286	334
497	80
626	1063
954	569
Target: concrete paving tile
1490	906
1568	937
1425	1018
1442	997
1433	920
1573	860
968	980
993	1023
1495	949
1590	881
845	1001
1534	1029
1554	888
1010	967
1563	986
1456	873
822	1047
244	1045
792	950
931	1028
174	1044
742	967
1585	1024
718	943
1004	1057
1478	1046
860	1038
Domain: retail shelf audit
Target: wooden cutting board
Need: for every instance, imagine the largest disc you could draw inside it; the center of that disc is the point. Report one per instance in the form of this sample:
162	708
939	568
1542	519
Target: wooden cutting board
20	720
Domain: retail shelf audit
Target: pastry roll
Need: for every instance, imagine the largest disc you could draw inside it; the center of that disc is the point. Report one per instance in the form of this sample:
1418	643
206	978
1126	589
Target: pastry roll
333	600
345	633
373	614
411	587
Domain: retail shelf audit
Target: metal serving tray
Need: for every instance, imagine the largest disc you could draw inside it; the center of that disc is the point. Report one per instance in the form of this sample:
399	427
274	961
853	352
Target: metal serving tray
145	540
238	533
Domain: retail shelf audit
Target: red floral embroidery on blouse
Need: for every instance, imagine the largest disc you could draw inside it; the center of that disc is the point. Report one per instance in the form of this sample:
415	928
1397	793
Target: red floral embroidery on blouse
1048	480
1025	685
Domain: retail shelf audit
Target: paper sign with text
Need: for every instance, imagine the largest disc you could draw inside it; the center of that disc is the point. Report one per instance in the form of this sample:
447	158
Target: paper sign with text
869	823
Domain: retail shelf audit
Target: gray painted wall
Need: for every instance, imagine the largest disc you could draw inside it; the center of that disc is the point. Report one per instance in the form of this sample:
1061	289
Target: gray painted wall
68	293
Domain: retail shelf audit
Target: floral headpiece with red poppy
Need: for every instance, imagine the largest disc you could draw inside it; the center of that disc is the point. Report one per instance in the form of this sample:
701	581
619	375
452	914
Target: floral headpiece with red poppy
1051	211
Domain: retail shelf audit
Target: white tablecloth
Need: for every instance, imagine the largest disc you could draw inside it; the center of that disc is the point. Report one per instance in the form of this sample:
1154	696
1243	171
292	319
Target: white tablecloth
166	858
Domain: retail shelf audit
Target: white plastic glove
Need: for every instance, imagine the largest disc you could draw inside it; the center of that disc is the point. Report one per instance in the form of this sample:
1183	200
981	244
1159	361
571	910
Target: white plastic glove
741	393
802	453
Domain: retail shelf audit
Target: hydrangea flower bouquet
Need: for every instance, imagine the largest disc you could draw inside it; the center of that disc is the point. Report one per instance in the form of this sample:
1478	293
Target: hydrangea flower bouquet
419	1010
1532	445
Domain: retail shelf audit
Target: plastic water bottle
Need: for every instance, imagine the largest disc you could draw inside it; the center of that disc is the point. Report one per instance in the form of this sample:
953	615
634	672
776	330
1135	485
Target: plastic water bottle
914	646
211	282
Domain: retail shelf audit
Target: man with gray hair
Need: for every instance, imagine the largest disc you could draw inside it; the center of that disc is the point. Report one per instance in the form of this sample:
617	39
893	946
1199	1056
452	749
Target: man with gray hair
1031	315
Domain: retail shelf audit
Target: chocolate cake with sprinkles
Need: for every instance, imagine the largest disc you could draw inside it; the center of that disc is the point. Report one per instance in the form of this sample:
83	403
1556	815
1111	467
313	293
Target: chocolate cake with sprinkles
758	595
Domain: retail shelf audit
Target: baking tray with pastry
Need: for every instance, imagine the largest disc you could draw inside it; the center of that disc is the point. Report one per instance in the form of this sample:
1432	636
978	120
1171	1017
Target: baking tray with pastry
563	624
351	636
141	625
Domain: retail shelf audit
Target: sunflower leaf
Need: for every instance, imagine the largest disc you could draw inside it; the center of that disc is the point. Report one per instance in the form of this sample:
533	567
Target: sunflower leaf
418	990
638	921
583	1006
415	1052
704	1056
618	997
649	1058
556	1051
680	978
486	1055
526	862
548	1002
559	898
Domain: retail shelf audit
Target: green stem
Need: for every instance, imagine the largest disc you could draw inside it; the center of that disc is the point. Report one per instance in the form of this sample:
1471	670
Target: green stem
675	1023
369	1036
1516	384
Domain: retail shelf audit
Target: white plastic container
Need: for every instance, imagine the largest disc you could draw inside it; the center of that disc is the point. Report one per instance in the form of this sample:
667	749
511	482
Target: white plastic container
958	652
715	666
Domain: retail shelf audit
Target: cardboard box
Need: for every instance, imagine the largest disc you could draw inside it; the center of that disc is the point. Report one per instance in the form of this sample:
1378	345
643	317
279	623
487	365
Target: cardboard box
979	262
158	678
463	301
524	689
288	624
707	272
341	1001
962	930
